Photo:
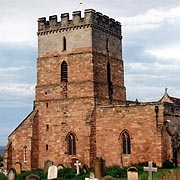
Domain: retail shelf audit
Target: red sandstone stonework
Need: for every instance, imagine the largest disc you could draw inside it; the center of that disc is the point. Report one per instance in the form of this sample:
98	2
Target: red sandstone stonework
86	105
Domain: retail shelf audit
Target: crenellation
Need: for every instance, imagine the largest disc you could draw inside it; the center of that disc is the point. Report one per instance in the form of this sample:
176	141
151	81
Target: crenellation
41	23
64	19
76	17
53	20
91	17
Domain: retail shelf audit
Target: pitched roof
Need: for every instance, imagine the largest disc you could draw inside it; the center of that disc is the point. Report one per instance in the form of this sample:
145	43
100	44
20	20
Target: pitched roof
170	99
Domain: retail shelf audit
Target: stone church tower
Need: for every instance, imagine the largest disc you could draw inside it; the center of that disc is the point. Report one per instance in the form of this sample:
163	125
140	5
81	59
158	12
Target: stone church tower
80	108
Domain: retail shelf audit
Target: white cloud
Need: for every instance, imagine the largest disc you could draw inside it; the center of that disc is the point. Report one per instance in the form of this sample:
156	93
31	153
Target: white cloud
152	19
11	69
166	52
17	31
17	89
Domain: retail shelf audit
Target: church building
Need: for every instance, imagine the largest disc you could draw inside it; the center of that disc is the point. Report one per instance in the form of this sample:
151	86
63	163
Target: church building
80	107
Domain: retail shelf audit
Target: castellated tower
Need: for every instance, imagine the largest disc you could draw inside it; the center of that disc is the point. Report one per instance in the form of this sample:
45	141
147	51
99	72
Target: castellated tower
79	67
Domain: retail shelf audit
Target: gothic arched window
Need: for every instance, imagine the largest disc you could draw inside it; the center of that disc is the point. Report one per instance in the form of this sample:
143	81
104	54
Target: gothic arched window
71	144
25	153
64	72
126	142
64	44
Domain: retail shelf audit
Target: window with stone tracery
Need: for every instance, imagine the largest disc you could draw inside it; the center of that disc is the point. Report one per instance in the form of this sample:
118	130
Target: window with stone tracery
71	144
126	143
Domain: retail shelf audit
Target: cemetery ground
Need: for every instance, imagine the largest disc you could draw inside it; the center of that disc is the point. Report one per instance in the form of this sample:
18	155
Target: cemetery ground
116	172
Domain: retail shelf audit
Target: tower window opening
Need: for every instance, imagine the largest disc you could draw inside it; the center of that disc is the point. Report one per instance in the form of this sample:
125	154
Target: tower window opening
107	45
110	86
64	72
47	147
25	153
64	44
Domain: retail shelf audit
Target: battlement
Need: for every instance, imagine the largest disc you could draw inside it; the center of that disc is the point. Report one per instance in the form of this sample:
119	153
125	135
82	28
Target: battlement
91	18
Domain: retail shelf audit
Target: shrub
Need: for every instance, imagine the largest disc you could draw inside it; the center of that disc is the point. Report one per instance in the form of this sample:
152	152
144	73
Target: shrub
116	171
2	177
66	173
168	164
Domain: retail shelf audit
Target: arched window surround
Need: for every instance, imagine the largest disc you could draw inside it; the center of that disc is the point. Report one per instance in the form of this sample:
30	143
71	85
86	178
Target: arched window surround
71	140
64	71
125	140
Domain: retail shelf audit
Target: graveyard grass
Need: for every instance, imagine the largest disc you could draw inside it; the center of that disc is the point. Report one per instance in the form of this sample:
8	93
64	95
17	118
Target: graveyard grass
116	172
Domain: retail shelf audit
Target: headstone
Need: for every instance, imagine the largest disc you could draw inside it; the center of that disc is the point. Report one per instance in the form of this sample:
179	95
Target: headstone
150	169
91	176
47	164
97	168
108	178
33	177
85	168
100	169
17	167
169	175
11	174
52	172
60	166
132	173
103	166
77	164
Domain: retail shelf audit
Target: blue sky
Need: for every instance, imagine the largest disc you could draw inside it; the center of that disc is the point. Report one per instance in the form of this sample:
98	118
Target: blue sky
151	50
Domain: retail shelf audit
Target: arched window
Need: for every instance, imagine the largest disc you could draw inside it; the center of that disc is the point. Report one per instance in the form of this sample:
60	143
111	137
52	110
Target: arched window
110	86
126	142
71	144
64	72
25	153
64	44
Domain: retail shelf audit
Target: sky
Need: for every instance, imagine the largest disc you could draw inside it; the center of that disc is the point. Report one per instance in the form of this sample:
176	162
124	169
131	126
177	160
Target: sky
151	50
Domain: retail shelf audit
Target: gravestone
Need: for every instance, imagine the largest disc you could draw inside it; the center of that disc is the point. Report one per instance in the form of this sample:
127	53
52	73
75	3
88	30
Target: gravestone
60	166
91	176
85	168
108	178
52	172
99	167
11	174
47	164
33	177
150	169
77	164
132	173
17	167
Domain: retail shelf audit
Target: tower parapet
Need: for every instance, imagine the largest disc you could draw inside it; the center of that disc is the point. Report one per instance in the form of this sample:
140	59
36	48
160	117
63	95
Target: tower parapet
91	18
